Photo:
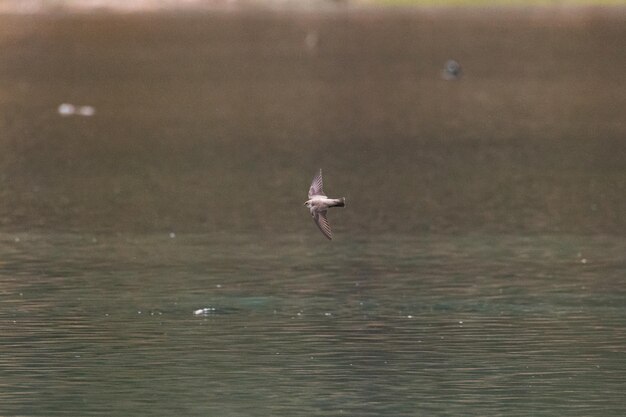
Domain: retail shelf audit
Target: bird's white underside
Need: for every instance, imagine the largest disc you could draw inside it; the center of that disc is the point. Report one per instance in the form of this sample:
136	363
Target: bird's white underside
318	204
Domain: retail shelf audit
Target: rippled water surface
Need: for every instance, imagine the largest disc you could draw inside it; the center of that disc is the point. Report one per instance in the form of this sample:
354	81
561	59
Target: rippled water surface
156	259
476	325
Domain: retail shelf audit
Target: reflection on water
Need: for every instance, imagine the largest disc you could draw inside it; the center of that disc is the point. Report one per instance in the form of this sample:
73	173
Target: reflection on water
478	268
413	326
217	122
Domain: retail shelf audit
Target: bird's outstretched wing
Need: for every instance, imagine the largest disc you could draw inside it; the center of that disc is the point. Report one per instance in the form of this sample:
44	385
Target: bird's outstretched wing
322	223
316	185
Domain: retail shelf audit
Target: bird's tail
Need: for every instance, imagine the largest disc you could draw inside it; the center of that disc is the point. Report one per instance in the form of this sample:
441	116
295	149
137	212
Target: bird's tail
340	202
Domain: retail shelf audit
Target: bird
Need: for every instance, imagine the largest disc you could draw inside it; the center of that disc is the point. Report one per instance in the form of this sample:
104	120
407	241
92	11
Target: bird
451	71
318	205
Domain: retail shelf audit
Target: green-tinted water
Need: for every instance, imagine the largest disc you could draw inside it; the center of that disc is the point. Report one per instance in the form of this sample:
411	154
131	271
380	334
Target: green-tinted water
155	258
412	326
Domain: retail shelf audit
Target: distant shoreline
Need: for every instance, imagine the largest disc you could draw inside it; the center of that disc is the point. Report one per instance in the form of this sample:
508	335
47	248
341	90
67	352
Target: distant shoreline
572	9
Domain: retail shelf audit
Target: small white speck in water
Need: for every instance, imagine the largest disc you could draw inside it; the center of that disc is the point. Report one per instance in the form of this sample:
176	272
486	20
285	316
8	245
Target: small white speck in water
204	311
409	316
86	111
218	286
328	314
17	239
172	235
583	261
311	40
66	109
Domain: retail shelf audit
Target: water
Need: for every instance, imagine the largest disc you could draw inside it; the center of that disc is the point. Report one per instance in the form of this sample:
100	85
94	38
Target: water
489	280
415	326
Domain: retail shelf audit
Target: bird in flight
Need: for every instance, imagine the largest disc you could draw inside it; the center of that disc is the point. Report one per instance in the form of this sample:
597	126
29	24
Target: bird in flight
318	205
